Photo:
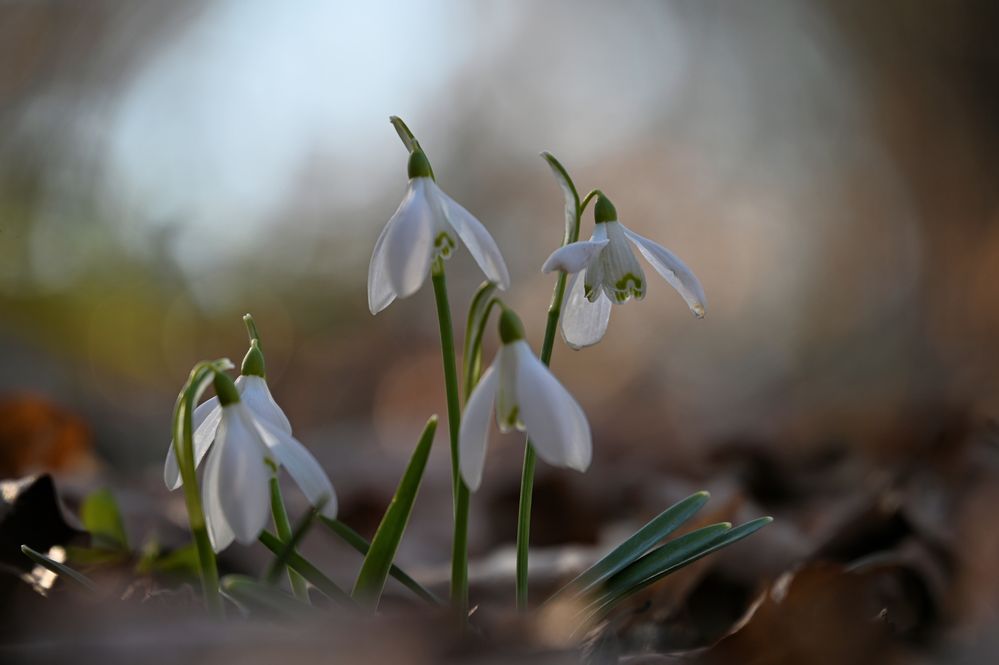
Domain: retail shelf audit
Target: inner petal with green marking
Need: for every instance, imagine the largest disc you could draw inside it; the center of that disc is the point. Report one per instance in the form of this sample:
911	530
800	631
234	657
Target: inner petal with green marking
444	245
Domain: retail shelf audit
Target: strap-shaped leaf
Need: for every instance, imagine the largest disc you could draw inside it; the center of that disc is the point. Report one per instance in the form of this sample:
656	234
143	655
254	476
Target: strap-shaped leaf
662	561
638	544
358	542
301	566
378	561
59	568
263	598
102	518
478	315
571	196
288	547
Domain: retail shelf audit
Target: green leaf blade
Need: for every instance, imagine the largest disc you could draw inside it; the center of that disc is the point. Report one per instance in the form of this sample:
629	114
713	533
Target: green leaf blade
358	542
263	598
59	568
638	544
303	567
375	569
478	315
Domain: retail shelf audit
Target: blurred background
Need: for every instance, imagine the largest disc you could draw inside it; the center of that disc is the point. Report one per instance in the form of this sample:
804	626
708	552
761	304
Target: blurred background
829	171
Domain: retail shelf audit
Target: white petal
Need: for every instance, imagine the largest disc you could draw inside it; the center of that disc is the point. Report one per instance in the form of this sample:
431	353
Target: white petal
258	399
473	436
556	424
237	477
400	262
302	466
575	256
673	270
480	244
219	532
204	421
583	322
621	274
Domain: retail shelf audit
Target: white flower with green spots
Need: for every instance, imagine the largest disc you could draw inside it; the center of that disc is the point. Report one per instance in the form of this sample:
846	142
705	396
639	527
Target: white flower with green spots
605	271
426	228
525	396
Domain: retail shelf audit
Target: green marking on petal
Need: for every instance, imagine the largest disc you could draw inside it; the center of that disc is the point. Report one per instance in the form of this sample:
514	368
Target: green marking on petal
444	245
629	285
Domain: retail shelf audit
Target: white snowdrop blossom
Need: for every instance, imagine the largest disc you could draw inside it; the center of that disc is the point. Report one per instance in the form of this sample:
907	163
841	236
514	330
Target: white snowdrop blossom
527	397
245	441
605	271
424	229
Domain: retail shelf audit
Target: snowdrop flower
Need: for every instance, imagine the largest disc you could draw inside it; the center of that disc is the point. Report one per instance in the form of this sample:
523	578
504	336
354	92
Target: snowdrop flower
425	229
246	437
527	397
605	271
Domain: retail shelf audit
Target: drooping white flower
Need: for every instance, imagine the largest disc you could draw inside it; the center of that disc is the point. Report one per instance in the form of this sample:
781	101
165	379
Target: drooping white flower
239	438
426	227
605	271
527	397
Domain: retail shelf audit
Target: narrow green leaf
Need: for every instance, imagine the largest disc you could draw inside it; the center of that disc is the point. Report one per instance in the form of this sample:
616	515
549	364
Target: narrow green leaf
59	568
662	561
358	542
638	544
571	195
102	518
478	316
375	569
303	567
263	598
405	135
288	548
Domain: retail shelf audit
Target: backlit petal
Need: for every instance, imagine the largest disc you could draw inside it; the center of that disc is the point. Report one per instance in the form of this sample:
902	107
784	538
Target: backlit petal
673	270
555	422
400	262
473	436
474	235
574	257
583	322
302	466
204	422
237	476
258	399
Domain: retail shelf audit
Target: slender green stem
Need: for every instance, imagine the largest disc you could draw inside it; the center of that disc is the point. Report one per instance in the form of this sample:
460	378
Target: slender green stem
530	458
183	447
459	550
283	527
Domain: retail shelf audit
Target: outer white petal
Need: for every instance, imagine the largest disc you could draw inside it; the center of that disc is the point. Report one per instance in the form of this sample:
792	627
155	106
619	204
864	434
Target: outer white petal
258	399
584	323
575	256
673	270
555	422
473	436
480	244
400	262
304	469
219	532
204	421
237	476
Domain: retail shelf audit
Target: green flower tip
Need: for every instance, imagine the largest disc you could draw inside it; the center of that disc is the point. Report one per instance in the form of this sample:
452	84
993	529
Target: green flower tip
253	361
225	389
419	165
510	327
604	210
